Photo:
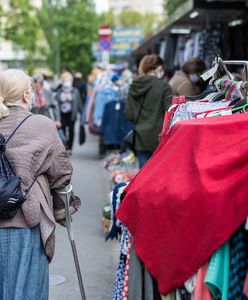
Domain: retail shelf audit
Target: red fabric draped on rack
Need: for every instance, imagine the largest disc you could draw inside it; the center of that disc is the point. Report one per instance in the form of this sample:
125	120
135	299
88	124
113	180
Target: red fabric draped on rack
189	198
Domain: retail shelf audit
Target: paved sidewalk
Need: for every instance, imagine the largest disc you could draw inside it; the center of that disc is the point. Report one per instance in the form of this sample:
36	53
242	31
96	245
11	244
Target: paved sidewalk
98	259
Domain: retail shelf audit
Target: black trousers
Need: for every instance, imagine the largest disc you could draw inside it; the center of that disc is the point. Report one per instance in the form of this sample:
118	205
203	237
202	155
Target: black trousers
68	128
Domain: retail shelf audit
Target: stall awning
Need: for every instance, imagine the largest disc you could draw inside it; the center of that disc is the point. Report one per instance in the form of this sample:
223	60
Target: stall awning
196	15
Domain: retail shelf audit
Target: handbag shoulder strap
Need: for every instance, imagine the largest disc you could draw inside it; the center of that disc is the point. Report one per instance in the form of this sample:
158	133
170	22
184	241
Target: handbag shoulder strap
11	135
17	127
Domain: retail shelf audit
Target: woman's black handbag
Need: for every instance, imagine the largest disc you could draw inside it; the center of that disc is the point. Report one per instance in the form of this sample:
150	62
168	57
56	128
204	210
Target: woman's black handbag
129	140
82	134
94	129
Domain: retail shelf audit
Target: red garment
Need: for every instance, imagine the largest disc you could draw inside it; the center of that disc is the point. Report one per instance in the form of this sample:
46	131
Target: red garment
167	120
189	198
246	286
178	99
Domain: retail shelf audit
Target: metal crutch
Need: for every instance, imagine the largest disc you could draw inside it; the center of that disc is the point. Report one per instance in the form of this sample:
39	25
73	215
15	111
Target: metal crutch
65	193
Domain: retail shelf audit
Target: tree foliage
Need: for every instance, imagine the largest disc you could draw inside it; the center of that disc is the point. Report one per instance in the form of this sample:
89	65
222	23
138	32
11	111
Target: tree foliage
64	28
172	5
72	27
107	18
126	19
21	26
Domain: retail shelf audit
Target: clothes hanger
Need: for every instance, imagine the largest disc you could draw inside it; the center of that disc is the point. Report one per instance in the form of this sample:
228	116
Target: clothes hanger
214	112
244	84
241	105
199	97
235	101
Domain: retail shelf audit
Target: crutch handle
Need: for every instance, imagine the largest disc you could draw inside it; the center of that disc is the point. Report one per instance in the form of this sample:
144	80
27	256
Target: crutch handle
66	191
65	194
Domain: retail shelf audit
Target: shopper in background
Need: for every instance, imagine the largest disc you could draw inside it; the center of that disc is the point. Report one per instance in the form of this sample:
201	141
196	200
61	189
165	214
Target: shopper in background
135	75
146	105
127	75
70	105
80	85
187	81
46	83
45	104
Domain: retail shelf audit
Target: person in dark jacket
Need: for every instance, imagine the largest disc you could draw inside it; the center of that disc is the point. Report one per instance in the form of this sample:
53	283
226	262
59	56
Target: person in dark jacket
80	85
146	106
69	104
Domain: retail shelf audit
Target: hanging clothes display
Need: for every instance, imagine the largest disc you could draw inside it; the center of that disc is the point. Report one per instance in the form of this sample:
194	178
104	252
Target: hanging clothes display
217	277
238	264
204	44
104	95
190	198
117	228
114	125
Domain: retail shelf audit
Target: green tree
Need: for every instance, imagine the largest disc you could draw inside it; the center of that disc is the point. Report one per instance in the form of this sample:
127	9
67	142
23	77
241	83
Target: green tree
69	30
2	19
129	19
172	5
126	19
107	18
149	23
21	26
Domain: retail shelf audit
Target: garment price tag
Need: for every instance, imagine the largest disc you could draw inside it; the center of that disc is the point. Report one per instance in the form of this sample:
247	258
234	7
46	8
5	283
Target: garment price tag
210	73
227	112
117	106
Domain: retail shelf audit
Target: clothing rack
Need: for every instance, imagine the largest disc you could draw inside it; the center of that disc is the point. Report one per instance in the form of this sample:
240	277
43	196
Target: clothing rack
220	62
243	63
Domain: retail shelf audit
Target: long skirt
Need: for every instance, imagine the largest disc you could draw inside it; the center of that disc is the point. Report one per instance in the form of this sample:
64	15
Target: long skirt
23	265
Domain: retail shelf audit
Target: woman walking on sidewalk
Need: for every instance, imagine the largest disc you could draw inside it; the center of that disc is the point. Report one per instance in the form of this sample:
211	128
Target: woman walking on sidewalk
146	105
39	159
70	105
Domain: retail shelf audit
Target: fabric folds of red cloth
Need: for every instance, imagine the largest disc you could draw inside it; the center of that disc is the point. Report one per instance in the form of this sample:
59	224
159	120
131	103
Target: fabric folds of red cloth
189	198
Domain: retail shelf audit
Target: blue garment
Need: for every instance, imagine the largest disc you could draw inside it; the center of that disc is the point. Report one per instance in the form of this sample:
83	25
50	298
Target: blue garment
23	265
143	157
103	97
116	230
115	202
120	278
114	124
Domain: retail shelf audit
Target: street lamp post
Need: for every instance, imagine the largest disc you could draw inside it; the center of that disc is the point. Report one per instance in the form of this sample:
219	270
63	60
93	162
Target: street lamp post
57	52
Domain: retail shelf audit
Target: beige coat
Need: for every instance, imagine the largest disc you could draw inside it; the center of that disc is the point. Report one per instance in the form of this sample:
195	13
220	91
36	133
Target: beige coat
181	85
36	150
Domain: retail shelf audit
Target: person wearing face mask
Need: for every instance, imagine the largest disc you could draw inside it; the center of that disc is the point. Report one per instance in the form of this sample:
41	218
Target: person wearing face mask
146	105
39	158
187	81
45	103
70	105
